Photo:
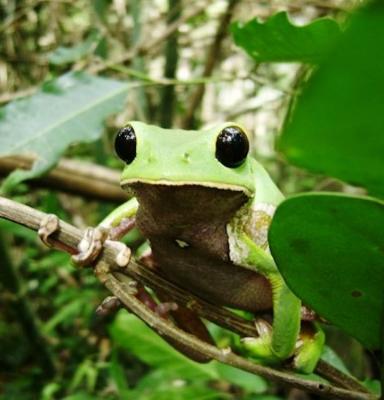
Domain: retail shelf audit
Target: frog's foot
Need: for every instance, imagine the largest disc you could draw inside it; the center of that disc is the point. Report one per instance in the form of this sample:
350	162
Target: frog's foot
308	348
90	246
48	225
307	352
260	348
109	305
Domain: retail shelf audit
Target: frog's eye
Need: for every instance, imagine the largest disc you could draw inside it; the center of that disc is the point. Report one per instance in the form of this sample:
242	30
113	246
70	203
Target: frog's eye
232	146
125	144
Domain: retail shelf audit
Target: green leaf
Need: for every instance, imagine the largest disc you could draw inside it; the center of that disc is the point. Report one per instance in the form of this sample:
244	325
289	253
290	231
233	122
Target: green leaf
158	385
132	334
81	396
330	250
117	374
65	55
17	230
332	358
247	381
278	40
337	125
69	109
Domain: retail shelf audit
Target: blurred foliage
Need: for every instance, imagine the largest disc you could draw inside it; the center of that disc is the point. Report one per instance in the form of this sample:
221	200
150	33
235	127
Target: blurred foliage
324	245
336	127
71	109
77	60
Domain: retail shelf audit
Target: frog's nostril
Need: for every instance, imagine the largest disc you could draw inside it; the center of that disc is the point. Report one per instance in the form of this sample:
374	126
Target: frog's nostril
186	157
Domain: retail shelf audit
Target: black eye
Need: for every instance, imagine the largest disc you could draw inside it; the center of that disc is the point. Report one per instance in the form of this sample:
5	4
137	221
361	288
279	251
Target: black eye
232	146
125	144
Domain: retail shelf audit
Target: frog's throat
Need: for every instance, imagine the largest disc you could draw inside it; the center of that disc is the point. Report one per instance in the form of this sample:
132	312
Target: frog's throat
125	184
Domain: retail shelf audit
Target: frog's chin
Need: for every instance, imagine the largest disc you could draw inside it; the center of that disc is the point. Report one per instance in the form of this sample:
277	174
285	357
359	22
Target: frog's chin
127	184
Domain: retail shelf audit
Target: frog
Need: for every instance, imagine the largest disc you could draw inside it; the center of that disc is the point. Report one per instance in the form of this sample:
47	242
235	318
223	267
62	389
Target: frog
204	205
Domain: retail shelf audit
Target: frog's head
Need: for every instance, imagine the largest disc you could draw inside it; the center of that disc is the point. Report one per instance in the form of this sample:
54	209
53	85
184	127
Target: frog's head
213	158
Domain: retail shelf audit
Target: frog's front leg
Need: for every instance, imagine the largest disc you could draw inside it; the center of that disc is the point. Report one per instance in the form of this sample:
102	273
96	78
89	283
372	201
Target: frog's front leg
118	223
284	339
113	227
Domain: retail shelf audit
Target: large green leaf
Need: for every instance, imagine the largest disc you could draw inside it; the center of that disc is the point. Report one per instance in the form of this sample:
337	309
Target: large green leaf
330	250
69	109
337	125
278	40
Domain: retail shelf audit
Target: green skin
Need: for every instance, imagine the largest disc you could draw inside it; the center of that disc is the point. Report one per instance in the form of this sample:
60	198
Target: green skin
207	226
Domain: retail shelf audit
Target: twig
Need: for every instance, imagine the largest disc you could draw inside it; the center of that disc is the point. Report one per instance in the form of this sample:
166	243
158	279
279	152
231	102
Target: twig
146	45
171	60
69	237
212	58
78	177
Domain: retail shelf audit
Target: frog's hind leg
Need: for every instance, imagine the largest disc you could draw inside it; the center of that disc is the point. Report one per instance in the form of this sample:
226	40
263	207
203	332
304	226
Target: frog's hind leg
281	341
277	343
288	338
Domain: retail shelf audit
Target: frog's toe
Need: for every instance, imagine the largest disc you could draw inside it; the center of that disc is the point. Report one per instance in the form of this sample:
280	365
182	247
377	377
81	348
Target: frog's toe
260	348
90	246
309	348
48	225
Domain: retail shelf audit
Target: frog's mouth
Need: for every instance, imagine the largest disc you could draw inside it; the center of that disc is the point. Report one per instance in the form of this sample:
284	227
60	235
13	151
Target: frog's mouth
189	202
128	184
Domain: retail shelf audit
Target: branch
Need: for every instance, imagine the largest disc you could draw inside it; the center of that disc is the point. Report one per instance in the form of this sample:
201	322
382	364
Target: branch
77	177
116	282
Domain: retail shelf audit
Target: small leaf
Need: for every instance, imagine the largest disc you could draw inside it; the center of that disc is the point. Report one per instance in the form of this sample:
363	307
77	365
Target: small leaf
65	55
336	127
278	40
330	250
70	109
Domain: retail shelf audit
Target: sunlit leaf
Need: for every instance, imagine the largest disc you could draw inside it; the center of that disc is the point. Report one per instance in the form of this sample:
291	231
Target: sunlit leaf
67	110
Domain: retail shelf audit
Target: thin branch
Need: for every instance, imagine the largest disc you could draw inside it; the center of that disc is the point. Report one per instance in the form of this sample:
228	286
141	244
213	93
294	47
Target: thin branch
210	62
171	54
69	236
146	46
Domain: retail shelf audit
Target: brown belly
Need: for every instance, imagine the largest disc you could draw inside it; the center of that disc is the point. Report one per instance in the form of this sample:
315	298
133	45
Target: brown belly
198	216
213	280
